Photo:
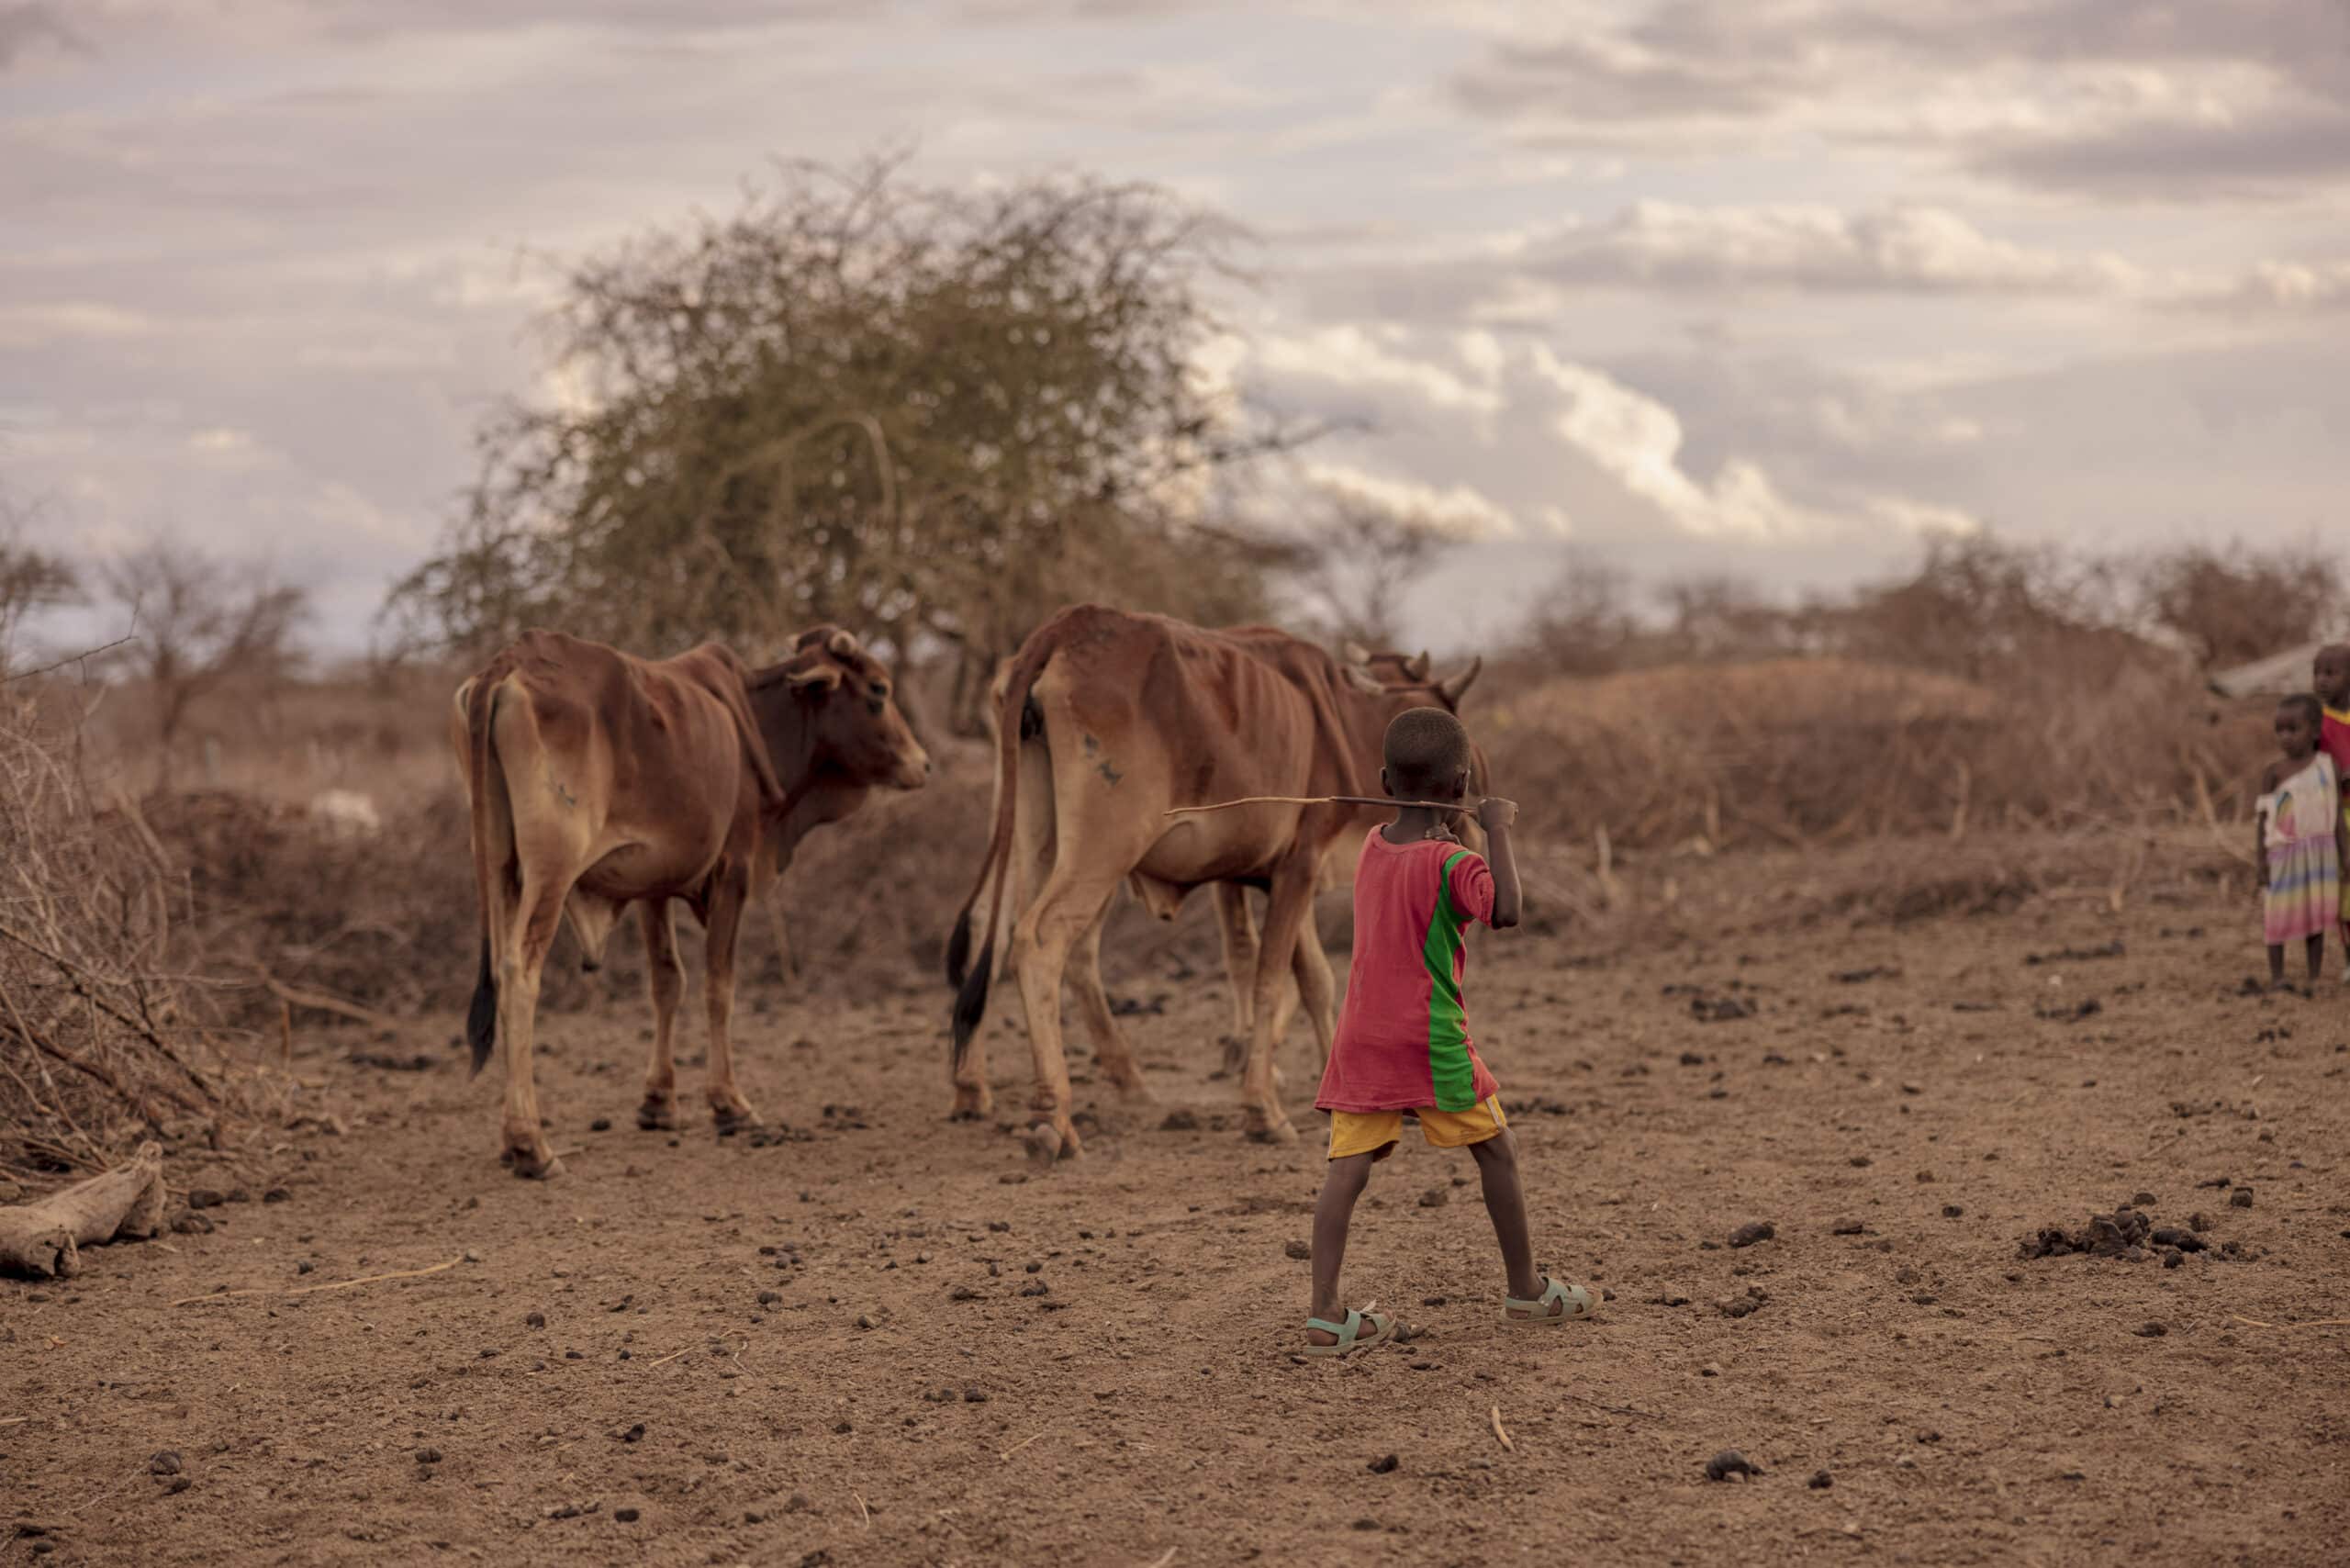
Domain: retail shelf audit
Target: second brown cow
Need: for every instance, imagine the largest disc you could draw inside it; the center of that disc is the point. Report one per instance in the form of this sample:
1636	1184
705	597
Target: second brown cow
1119	717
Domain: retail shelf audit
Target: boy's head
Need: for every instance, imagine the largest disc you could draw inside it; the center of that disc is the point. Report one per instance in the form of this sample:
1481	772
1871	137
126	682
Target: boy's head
2330	674
2298	721
1427	756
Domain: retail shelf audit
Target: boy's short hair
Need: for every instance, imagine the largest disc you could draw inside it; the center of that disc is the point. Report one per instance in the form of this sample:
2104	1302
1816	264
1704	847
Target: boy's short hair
1426	750
2310	707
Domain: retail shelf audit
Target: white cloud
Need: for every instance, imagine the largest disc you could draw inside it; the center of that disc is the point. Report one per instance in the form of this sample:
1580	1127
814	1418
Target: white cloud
1637	441
1482	352
31	326
223	447
1349	355
2123	100
1813	246
1457	510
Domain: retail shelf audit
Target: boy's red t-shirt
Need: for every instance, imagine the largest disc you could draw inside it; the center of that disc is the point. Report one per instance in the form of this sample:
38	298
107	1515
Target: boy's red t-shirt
1402	1038
2334	737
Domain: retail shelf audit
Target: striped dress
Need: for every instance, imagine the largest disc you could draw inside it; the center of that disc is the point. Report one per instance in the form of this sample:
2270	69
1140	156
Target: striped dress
2304	893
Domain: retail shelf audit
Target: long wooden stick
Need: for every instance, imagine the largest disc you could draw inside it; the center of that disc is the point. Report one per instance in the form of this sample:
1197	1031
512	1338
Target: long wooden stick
1463	809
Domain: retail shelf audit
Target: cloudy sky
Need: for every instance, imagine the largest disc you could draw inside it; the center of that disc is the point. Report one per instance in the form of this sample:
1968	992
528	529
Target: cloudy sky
1762	287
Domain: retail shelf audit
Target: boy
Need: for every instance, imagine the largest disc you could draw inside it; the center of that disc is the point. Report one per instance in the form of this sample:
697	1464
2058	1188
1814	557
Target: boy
1403	1038
2329	679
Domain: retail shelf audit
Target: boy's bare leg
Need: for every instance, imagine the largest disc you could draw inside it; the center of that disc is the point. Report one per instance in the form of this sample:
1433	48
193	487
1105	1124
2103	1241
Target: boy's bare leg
1505	1202
1332	1213
2317	953
2276	964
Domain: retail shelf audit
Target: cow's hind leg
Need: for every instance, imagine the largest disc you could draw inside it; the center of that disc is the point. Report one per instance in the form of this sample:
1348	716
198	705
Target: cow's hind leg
1110	1050
727	1106
1318	988
1040	951
1291	905
537	911
665	978
1240	929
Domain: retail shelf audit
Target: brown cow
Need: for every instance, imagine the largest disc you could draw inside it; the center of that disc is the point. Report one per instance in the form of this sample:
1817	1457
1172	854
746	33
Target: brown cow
1134	714
599	779
1236	923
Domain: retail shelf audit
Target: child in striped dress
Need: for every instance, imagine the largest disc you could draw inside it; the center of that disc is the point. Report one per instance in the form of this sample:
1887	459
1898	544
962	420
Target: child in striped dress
2330	680
2300	839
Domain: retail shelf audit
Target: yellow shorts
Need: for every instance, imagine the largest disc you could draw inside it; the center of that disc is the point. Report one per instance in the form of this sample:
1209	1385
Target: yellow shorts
1374	1131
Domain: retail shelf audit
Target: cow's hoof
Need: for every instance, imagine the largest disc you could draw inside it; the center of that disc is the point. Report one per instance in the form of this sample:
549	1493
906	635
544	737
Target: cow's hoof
729	1120
1279	1132
533	1164
971	1105
1133	1092
657	1116
1047	1143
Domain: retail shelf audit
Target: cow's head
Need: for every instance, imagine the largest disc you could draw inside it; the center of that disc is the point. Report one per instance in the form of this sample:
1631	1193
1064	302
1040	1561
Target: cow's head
848	708
1390	672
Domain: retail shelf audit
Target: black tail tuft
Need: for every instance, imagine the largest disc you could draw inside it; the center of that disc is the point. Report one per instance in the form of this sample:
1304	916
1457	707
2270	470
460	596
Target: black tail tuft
959	950
971	1002
481	1020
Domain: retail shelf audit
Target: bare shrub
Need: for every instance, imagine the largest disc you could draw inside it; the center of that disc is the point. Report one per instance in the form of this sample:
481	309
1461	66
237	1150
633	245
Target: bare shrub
102	1044
2235	605
31	580
201	623
1358	564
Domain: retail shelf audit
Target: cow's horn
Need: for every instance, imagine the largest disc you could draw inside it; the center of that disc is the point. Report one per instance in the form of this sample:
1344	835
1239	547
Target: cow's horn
817	675
1453	686
1356	654
1417	669
1361	679
842	643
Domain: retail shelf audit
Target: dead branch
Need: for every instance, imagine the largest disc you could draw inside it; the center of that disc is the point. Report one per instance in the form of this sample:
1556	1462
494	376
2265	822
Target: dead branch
44	1238
71	659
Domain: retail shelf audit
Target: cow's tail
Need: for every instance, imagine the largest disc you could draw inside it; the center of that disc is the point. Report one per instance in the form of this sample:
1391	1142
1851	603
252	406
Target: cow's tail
493	844
995	866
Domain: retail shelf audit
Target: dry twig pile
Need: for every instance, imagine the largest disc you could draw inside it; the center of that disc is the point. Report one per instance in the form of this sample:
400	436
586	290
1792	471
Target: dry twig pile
102	1046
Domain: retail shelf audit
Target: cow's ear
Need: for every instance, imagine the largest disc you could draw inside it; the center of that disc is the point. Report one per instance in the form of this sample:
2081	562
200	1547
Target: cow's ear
1417	669
1452	686
1361	679
1355	653
842	644
817	677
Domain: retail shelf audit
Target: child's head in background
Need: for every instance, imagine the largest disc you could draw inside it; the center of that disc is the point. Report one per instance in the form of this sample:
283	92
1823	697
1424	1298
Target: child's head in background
2330	676
2299	717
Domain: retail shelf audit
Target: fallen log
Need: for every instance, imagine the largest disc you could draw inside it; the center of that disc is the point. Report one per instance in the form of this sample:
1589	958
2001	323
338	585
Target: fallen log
45	1238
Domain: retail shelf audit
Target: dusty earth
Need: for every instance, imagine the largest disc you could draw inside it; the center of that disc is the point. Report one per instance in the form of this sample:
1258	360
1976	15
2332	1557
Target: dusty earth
883	1341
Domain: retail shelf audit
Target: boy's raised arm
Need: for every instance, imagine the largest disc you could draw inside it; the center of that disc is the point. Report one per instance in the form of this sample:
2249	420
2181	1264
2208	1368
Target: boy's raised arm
1495	815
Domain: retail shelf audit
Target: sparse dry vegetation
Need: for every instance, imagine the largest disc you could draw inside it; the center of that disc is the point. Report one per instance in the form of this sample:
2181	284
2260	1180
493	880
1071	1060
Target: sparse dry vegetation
105	1040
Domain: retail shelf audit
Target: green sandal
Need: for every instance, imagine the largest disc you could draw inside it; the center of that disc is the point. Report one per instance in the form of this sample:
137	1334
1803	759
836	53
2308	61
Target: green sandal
1578	1302
1351	1333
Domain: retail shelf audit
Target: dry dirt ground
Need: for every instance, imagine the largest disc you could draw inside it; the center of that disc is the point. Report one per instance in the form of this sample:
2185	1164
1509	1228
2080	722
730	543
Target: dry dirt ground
884	1342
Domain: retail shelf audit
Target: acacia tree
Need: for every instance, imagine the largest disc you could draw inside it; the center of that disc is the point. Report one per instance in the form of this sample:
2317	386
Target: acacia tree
200	623
932	416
